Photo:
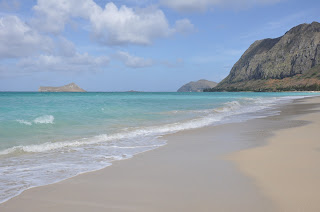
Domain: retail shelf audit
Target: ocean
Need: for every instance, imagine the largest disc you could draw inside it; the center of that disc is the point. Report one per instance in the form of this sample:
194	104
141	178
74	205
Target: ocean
49	137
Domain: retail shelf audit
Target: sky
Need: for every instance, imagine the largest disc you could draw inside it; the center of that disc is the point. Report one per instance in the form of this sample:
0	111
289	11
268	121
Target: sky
143	45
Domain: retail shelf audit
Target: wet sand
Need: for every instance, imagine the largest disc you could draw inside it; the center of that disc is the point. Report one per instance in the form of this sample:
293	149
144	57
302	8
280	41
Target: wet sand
198	170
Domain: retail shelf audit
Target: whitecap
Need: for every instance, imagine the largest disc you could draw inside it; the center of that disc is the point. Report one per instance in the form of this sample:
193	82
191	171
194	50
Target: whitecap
21	121
46	119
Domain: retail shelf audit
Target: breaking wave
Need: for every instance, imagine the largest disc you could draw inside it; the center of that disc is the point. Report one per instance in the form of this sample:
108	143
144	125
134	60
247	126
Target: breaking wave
210	117
46	119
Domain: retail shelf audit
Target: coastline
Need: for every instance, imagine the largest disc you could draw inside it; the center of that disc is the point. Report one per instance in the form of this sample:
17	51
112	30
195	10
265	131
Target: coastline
188	176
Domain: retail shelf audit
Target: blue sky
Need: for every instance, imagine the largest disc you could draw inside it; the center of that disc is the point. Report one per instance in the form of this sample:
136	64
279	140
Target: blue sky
145	45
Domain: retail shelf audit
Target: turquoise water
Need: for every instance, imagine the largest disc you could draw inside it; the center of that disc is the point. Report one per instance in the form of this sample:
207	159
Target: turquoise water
48	137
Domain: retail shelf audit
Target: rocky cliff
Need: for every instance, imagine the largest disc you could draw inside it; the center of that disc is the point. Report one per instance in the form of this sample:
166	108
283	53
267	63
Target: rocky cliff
72	87
290	62
197	86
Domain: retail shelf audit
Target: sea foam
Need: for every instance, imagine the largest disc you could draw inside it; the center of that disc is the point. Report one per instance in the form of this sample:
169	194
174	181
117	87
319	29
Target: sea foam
46	119
21	121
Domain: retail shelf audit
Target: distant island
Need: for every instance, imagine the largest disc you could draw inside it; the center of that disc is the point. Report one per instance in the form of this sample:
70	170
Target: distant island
72	87
288	63
133	91
197	86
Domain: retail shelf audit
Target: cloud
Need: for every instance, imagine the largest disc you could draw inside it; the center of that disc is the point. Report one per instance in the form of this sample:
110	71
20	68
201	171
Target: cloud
172	64
109	25
219	55
114	26
76	63
203	5
133	3
277	27
65	47
133	61
184	26
24	50
52	15
17	39
9	5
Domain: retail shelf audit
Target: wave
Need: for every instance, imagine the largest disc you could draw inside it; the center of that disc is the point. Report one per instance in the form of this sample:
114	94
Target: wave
229	106
21	121
51	162
132	133
46	119
211	117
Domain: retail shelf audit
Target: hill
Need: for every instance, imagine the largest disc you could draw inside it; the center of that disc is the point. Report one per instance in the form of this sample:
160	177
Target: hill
197	86
72	87
288	63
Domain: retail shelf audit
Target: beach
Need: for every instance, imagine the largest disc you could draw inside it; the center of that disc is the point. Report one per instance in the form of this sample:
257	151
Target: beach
287	168
159	106
263	164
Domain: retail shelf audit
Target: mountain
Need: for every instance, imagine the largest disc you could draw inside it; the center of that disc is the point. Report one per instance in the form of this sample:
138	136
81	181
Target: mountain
290	62
72	87
197	86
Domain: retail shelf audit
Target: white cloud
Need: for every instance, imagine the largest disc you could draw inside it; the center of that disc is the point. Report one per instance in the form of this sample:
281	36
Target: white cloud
9	5
124	25
188	5
17	39
76	63
277	27
65	47
52	15
173	64
110	25
37	52
218	55
133	61
203	5
184	26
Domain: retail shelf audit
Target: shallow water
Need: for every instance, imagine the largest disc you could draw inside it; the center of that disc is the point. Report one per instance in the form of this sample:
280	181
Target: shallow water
48	137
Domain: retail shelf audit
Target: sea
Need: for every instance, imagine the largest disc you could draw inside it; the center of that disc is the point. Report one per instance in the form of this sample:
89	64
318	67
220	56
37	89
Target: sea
49	137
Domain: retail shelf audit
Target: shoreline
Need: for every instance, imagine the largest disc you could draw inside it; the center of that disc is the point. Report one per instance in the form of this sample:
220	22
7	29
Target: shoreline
150	191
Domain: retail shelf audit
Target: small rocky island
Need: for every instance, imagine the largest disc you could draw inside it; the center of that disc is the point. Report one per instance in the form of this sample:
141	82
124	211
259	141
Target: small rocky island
197	86
72	87
133	91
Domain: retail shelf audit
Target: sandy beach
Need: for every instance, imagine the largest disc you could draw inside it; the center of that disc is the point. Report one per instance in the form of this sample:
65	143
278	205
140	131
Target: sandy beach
265	164
287	168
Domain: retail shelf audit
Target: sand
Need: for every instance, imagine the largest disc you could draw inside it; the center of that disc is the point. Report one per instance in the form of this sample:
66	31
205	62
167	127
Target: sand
288	168
258	165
